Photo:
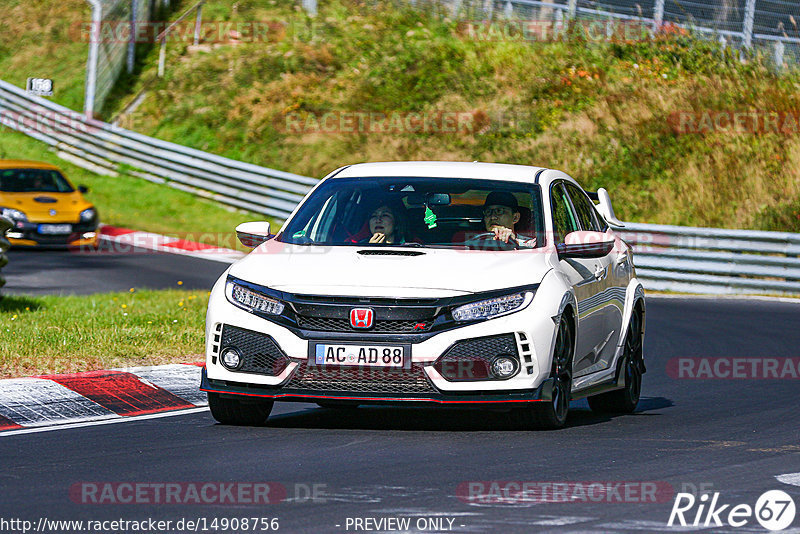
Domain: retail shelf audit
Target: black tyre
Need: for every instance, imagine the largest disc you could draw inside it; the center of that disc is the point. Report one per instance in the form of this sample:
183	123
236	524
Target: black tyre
553	413
238	412
625	400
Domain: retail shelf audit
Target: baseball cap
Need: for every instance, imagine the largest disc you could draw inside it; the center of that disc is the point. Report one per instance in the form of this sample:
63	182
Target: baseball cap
501	198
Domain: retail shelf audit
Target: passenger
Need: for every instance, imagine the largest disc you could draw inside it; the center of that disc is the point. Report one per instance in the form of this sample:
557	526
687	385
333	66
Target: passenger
500	215
387	225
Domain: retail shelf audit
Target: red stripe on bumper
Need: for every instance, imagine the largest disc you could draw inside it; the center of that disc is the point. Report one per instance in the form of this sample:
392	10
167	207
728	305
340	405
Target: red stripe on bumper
391	399
122	393
8	424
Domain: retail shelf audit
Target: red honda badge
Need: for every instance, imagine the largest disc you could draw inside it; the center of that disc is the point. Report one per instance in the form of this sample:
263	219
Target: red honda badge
361	318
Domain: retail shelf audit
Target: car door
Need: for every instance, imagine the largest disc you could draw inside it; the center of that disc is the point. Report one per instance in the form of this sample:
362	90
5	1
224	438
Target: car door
582	275
609	299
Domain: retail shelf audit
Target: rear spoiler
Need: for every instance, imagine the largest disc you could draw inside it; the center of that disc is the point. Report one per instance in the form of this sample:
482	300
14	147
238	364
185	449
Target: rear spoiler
604	206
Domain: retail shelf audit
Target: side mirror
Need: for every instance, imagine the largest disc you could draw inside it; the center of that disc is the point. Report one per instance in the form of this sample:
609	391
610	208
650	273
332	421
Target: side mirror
83	189
585	245
252	234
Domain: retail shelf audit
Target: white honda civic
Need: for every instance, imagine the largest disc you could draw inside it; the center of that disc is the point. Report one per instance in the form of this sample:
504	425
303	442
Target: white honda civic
431	283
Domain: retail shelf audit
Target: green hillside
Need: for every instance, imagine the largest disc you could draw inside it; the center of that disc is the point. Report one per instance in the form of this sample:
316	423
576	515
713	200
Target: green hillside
601	110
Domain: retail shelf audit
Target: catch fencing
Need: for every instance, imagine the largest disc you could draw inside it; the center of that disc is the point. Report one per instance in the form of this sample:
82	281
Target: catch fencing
771	25
672	258
5	224
107	57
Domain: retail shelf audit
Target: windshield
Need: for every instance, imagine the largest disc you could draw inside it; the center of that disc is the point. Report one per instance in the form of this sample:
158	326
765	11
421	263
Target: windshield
419	211
33	181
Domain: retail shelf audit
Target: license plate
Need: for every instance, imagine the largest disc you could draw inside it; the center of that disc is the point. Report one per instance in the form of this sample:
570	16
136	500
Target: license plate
53	229
359	355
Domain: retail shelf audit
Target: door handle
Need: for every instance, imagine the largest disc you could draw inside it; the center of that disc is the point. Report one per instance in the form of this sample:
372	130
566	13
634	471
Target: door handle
623	258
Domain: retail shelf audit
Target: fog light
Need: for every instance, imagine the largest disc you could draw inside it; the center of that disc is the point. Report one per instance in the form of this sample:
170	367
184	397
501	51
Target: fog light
88	235
504	367
230	359
15	235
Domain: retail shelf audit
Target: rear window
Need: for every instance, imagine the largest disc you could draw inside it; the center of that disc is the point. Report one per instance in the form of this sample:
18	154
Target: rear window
33	181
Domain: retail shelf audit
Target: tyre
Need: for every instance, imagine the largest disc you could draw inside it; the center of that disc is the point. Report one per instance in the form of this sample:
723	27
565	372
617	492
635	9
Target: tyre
553	413
238	412
625	400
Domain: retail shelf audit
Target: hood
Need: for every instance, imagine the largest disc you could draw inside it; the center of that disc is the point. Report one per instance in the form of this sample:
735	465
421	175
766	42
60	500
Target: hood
345	271
37	205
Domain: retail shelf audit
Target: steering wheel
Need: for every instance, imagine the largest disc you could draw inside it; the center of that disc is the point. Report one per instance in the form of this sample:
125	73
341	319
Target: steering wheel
489	242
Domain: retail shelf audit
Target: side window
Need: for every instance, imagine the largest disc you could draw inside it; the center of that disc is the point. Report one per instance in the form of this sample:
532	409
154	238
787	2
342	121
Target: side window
583	207
564	219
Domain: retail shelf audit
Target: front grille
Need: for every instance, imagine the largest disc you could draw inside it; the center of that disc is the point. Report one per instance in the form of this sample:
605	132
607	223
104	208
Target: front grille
361	379
471	359
260	354
386	326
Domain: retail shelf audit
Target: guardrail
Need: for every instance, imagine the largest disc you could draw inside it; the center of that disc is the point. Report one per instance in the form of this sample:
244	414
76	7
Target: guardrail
714	260
5	224
676	258
106	149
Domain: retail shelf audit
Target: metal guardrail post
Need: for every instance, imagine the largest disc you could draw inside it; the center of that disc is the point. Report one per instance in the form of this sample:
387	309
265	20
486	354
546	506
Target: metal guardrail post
198	22
778	55
5	224
658	14
91	62
747	27
162	55
132	38
572	8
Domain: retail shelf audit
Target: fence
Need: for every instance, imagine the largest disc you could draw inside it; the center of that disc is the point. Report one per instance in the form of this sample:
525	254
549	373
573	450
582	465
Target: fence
767	24
5	224
713	260
704	260
107	57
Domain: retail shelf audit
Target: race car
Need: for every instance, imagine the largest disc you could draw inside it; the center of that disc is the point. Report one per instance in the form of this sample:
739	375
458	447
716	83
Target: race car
46	209
431	283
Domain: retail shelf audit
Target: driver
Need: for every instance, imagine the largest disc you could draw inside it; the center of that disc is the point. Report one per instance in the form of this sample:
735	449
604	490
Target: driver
500	214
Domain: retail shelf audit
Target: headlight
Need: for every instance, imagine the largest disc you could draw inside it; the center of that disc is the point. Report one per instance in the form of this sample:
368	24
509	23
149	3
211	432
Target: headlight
251	301
489	308
88	214
14	215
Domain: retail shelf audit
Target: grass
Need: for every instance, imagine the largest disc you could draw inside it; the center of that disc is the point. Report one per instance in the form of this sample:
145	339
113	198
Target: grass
132	202
65	334
41	39
597	110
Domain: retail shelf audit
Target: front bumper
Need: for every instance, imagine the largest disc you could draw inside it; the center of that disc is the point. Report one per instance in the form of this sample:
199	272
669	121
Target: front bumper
27	234
473	398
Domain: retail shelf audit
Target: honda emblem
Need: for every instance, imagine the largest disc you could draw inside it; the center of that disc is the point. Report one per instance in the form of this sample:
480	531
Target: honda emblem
361	318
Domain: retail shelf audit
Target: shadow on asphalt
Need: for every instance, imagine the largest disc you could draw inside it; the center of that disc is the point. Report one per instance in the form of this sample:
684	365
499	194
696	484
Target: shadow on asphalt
440	419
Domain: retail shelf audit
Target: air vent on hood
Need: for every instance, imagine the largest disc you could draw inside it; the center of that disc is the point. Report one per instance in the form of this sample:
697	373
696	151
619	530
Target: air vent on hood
390	253
46	200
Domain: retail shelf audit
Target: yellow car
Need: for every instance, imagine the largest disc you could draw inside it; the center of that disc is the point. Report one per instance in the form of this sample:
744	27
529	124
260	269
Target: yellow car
44	206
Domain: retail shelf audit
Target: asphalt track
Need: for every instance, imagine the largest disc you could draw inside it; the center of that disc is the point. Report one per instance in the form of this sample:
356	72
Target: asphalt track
729	436
109	268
